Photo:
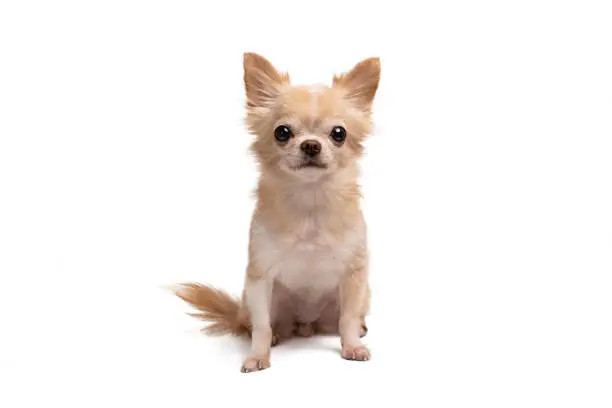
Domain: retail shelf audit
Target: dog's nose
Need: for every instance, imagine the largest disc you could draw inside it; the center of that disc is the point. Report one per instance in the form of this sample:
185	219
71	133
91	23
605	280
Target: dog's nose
311	147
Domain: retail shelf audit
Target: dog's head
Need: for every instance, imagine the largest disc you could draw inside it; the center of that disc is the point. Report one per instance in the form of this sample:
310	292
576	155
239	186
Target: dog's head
308	131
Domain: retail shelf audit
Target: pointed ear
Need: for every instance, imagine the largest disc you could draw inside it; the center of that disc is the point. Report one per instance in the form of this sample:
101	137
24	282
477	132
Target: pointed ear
361	82
261	80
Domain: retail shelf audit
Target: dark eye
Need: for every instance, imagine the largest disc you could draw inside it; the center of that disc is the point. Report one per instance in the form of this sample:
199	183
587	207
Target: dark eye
338	133
282	133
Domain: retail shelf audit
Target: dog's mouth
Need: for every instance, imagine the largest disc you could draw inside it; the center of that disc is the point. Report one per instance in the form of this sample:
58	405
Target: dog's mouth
310	164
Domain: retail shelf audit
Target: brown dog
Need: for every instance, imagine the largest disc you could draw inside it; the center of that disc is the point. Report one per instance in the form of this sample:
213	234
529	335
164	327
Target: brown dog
308	264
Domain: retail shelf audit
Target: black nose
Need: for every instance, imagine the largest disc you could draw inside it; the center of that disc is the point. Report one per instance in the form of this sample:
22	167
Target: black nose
311	147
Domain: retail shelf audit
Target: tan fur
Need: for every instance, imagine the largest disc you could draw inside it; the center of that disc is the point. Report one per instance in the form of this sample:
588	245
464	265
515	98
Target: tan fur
308	263
215	306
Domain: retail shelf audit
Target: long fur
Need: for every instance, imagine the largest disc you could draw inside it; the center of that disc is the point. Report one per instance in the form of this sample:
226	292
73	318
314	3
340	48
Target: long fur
216	307
307	271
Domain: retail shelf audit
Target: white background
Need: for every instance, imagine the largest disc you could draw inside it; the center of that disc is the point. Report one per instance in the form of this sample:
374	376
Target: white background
488	194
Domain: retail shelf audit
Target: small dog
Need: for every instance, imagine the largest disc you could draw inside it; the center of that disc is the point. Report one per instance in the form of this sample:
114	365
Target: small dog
307	269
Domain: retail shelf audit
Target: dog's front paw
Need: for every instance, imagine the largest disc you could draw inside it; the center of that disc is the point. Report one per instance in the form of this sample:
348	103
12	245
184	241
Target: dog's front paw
359	353
255	363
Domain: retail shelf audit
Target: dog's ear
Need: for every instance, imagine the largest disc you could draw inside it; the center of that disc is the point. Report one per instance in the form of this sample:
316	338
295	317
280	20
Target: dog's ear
361	82
261	80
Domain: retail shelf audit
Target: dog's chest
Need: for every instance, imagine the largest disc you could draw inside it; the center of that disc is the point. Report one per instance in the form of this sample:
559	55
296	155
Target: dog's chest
309	260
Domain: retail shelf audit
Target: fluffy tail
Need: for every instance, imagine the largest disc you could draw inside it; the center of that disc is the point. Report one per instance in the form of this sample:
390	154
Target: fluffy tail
215	306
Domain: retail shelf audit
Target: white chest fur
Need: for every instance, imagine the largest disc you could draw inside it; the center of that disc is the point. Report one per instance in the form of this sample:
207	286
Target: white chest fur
309	260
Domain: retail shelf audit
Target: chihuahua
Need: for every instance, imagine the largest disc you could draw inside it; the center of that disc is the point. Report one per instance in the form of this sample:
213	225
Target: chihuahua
307	269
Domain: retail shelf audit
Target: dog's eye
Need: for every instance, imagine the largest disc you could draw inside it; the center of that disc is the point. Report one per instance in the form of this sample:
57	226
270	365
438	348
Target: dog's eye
338	133
282	133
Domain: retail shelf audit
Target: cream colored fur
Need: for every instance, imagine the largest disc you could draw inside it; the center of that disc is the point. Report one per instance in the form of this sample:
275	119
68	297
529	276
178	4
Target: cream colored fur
308	258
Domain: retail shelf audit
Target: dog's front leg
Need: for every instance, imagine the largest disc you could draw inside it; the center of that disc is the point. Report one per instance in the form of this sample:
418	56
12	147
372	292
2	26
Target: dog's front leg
258	296
353	292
